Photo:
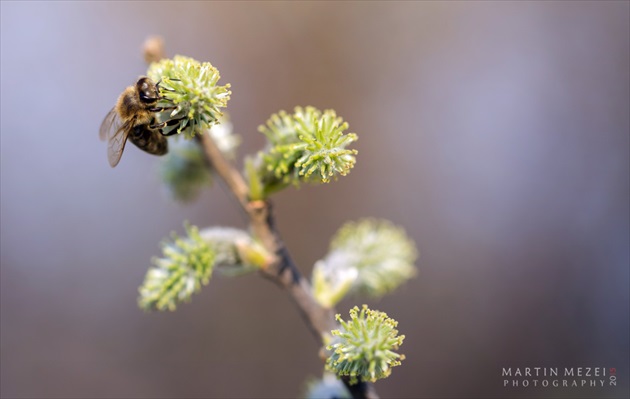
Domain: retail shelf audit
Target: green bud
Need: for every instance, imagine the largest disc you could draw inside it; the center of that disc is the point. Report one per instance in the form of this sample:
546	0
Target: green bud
381	253
192	87
363	347
236	251
186	264
306	146
330	286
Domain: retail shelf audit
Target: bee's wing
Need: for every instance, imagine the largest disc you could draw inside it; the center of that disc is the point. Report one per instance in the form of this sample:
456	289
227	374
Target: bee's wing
117	141
110	125
115	131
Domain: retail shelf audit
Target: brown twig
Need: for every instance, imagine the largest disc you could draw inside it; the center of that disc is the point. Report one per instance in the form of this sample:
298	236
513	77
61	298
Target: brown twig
281	270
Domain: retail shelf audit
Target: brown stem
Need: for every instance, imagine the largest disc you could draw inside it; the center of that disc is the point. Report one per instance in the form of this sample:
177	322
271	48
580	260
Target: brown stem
281	270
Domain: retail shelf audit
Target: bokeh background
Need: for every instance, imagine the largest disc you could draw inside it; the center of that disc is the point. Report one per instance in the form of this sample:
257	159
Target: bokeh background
496	133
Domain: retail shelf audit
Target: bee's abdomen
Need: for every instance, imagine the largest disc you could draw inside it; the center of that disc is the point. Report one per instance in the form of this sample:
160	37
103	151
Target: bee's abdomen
149	140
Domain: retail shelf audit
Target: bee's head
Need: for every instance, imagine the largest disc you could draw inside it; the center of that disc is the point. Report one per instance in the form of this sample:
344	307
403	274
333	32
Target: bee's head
147	90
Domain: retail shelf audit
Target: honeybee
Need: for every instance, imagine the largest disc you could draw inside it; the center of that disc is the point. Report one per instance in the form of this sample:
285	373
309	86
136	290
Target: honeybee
133	118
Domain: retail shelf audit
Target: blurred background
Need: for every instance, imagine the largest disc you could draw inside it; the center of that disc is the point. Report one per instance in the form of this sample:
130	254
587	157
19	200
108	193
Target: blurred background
496	133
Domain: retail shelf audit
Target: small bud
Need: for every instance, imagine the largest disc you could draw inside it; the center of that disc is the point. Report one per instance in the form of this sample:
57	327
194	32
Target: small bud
329	387
184	170
186	265
236	251
153	49
256	189
223	135
363	347
381	252
306	146
331	285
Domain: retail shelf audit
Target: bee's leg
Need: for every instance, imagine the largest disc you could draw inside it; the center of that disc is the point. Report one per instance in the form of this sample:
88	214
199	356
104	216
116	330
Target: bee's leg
163	88
160	109
172	132
159	98
170	122
158	125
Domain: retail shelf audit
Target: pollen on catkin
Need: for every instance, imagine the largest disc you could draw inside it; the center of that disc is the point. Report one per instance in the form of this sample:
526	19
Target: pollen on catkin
190	86
363	347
